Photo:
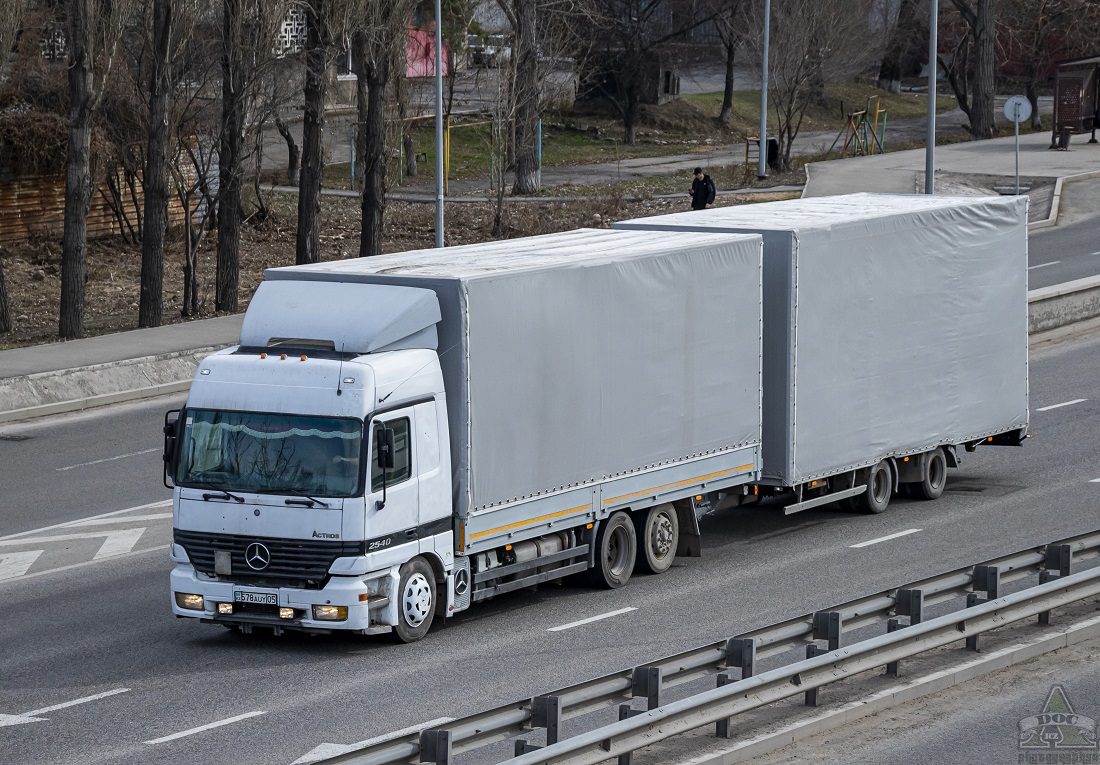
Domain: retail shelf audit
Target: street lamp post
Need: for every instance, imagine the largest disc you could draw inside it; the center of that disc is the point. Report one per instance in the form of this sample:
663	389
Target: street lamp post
933	73
438	125
762	171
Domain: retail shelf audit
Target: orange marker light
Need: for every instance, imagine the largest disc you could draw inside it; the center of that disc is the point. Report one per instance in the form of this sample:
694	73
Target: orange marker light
263	355
282	356
303	358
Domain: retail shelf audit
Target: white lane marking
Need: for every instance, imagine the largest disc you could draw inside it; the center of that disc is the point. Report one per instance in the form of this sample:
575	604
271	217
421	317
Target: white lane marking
208	726
591	619
325	751
118	543
886	538
1044	265
29	717
14	565
127	519
80	521
64	537
1095	480
109	459
1058	406
73	703
83	564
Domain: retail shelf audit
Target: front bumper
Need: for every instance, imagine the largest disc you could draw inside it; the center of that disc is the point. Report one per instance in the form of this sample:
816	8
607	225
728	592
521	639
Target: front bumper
338	591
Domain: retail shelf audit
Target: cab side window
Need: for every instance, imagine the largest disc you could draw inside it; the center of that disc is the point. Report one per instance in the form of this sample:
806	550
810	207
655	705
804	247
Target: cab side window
402	457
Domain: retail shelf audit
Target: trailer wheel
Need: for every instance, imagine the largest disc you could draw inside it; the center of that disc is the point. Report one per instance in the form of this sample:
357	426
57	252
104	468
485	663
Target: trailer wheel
935	477
880	487
416	601
659	531
616	549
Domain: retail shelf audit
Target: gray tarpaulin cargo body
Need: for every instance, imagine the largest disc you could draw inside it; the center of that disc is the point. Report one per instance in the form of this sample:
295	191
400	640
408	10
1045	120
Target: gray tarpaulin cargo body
586	371
892	323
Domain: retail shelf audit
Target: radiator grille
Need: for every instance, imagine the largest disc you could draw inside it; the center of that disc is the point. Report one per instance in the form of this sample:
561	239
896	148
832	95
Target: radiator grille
297	562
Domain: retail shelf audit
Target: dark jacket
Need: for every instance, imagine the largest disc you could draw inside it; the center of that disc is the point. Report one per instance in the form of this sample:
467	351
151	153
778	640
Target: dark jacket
702	193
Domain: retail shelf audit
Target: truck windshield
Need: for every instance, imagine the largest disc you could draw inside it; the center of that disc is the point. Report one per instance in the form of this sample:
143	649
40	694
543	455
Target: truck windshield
270	453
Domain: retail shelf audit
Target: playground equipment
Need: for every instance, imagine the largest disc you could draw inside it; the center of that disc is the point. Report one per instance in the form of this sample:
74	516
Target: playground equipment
862	133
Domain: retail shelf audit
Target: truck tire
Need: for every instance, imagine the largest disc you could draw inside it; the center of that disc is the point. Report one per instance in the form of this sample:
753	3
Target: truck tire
935	477
658	530
616	549
880	487
416	594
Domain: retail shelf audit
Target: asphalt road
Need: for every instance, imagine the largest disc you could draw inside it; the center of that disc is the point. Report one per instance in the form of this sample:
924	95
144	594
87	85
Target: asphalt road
99	631
1070	250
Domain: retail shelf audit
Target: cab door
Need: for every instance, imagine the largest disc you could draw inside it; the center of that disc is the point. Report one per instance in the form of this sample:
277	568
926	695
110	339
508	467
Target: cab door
393	495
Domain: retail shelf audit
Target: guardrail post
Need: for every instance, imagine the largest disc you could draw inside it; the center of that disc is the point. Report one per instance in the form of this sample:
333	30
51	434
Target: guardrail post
988	578
828	625
1060	558
741	654
646	681
812	650
722	727
910	603
625	711
435	747
1044	577
892	667
972	599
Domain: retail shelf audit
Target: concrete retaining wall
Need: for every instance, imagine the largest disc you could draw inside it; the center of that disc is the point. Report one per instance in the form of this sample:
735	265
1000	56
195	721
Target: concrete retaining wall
1062	304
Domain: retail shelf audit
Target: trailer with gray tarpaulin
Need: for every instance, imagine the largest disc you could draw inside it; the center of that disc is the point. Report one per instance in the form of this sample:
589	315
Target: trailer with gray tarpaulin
895	332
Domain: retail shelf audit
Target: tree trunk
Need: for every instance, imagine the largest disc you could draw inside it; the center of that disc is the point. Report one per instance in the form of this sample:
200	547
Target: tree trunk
1032	93
726	113
308	247
982	120
78	180
5	308
630	117
374	73
230	155
526	92
897	50
293	153
155	182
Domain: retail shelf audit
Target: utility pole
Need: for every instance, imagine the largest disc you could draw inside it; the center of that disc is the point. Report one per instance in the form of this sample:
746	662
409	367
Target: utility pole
762	171
438	124
933	73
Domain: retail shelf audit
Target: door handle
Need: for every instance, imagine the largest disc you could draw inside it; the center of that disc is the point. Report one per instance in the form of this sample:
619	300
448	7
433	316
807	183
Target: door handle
410	533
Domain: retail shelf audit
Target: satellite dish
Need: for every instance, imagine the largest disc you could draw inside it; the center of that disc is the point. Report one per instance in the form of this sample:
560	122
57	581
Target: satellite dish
1017	109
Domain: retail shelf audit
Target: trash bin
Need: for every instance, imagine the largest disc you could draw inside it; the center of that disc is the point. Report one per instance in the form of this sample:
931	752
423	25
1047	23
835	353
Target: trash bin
773	152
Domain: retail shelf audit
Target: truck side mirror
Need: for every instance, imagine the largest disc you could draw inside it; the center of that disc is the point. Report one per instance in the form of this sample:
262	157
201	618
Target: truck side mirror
171	443
385	449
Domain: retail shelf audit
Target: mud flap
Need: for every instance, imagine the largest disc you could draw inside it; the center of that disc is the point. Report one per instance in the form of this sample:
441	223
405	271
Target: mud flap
689	545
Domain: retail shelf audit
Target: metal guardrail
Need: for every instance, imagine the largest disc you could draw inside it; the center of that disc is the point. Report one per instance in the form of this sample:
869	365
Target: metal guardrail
1058	585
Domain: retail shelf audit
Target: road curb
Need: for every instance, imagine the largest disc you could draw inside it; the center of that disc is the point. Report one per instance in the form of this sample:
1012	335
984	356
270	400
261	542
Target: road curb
1056	200
899	694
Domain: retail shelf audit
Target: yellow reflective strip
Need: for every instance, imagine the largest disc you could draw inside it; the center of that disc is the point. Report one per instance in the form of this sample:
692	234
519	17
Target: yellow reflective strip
738	469
529	521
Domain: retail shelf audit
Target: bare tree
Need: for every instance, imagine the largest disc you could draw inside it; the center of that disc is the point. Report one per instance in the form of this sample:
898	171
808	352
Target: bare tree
94	29
730	23
11	15
523	15
810	44
908	36
318	53
971	66
376	44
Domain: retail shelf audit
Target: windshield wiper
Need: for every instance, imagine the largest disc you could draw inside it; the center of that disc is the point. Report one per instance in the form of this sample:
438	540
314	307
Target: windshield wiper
306	500
218	493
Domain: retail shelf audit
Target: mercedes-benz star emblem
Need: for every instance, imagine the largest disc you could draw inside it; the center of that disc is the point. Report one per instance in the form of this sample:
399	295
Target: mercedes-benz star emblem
257	556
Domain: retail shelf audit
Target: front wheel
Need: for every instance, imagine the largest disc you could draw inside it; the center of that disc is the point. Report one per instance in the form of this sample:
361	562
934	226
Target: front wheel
616	549
416	601
880	486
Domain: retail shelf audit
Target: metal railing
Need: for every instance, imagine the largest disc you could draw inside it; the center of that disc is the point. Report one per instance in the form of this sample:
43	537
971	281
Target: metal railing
636	728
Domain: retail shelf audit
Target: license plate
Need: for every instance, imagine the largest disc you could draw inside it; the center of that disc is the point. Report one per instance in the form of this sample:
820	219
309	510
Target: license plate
263	598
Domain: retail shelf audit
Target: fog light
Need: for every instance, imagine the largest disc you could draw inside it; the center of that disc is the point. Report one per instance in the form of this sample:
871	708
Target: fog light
225	608
190	602
330	613
286	613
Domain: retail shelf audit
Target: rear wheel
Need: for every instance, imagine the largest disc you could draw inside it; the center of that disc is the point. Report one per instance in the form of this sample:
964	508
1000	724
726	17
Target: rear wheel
880	486
659	532
935	477
416	601
616	549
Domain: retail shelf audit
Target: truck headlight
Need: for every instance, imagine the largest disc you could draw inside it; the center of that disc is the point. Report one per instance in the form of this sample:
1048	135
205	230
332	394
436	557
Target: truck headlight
189	601
330	613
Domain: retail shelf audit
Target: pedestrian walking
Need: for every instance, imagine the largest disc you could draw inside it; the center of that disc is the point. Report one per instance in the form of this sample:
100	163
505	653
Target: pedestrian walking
702	191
